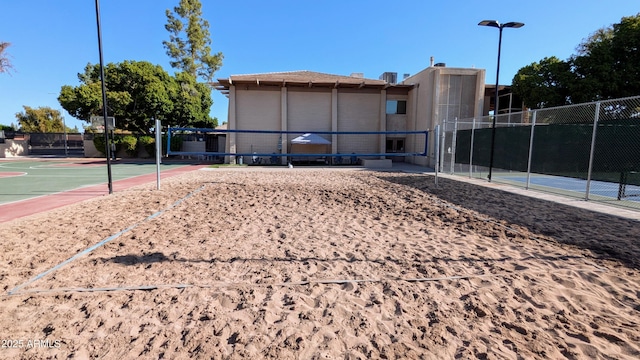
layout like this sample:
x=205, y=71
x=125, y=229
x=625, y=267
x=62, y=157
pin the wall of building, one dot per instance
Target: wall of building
x=257, y=109
x=438, y=93
x=442, y=93
x=12, y=148
x=358, y=111
x=397, y=122
x=308, y=110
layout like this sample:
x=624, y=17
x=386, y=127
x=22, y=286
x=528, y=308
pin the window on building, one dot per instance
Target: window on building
x=395, y=146
x=396, y=106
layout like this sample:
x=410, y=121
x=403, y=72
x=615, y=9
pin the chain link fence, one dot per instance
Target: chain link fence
x=589, y=151
x=56, y=144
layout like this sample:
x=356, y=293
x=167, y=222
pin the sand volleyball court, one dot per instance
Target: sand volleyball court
x=319, y=264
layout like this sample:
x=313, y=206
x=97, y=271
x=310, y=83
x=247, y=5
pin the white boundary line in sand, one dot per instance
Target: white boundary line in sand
x=86, y=251
x=238, y=284
x=284, y=284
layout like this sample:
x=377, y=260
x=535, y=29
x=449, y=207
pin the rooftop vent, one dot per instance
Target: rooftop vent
x=440, y=65
x=357, y=75
x=390, y=77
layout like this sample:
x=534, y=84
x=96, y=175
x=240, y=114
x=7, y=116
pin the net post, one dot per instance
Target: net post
x=158, y=152
x=426, y=142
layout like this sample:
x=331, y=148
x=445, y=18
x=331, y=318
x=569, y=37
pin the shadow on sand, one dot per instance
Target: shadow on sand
x=607, y=236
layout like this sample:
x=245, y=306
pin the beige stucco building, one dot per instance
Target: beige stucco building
x=316, y=102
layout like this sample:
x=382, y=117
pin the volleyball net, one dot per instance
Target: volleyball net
x=281, y=147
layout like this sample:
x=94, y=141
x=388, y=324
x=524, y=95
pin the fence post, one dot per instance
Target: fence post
x=443, y=131
x=473, y=132
x=453, y=146
x=437, y=148
x=596, y=118
x=533, y=126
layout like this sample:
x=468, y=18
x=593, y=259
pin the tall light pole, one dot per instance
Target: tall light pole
x=104, y=101
x=496, y=24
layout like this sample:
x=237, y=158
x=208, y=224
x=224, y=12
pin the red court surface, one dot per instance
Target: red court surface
x=37, y=205
x=12, y=173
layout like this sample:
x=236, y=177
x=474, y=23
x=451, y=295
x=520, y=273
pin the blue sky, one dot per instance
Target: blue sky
x=52, y=41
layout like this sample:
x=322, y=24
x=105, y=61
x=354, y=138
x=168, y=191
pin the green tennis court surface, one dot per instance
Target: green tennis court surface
x=23, y=179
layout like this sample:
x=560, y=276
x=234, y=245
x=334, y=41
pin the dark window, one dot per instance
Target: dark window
x=389, y=145
x=395, y=146
x=402, y=107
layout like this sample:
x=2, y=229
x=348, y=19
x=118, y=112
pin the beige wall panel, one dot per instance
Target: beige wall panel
x=257, y=110
x=309, y=111
x=397, y=122
x=358, y=112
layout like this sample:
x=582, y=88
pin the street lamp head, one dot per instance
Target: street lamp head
x=492, y=23
x=513, y=25
x=496, y=24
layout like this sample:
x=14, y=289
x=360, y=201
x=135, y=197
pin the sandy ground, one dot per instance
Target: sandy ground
x=319, y=264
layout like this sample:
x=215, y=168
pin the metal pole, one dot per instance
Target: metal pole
x=453, y=146
x=533, y=126
x=443, y=136
x=168, y=140
x=437, y=148
x=104, y=101
x=495, y=111
x=473, y=132
x=158, y=152
x=592, y=151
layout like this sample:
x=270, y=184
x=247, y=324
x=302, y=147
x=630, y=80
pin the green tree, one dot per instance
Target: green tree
x=41, y=120
x=608, y=62
x=192, y=103
x=544, y=84
x=190, y=40
x=606, y=66
x=5, y=64
x=137, y=92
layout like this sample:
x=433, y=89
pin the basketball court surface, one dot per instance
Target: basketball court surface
x=29, y=186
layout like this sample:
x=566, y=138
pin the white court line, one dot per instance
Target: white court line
x=110, y=238
x=223, y=284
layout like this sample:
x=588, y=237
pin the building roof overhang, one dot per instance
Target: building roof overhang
x=308, y=79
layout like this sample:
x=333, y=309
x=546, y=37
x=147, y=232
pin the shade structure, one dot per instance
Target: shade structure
x=309, y=144
x=310, y=139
